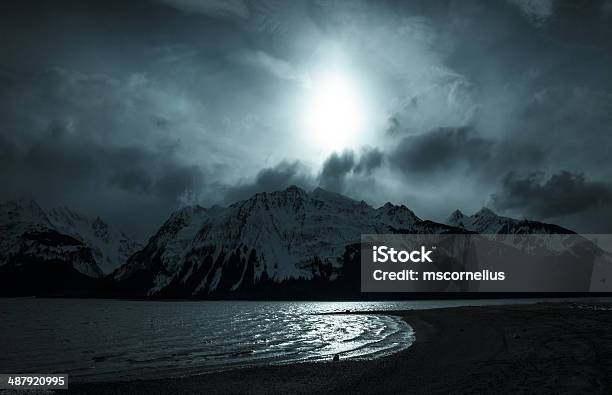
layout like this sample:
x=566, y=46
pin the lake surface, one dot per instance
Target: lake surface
x=110, y=340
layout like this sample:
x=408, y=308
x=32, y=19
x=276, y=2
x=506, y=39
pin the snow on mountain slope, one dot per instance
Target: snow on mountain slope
x=278, y=236
x=543, y=239
x=29, y=234
x=165, y=249
x=485, y=221
x=529, y=236
x=270, y=242
x=17, y=218
x=111, y=248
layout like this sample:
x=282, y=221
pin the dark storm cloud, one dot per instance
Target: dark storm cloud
x=88, y=141
x=237, y=8
x=335, y=169
x=133, y=179
x=271, y=179
x=115, y=122
x=155, y=173
x=154, y=104
x=564, y=193
x=370, y=160
x=440, y=150
x=82, y=173
x=537, y=87
x=572, y=123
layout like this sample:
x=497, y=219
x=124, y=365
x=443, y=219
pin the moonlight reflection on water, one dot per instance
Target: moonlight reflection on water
x=95, y=340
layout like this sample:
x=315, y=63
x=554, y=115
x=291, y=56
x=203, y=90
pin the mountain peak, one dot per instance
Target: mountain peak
x=399, y=216
x=485, y=221
x=455, y=217
x=99, y=225
x=23, y=210
x=457, y=213
x=187, y=211
x=294, y=188
x=22, y=203
x=101, y=249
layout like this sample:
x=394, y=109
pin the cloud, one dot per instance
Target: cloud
x=564, y=193
x=279, y=177
x=145, y=184
x=184, y=98
x=156, y=173
x=333, y=175
x=216, y=8
x=279, y=68
x=337, y=167
x=537, y=11
x=95, y=143
x=441, y=150
x=371, y=159
x=606, y=8
x=334, y=170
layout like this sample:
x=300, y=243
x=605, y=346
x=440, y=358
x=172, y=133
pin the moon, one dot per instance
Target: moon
x=335, y=115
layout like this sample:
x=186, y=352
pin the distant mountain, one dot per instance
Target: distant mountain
x=584, y=264
x=110, y=247
x=485, y=221
x=284, y=244
x=31, y=236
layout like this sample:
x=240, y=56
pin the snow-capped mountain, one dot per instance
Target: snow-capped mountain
x=589, y=261
x=529, y=236
x=485, y=221
x=163, y=252
x=270, y=238
x=30, y=235
x=284, y=244
x=111, y=248
x=16, y=218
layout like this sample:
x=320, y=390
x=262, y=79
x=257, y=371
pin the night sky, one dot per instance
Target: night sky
x=130, y=110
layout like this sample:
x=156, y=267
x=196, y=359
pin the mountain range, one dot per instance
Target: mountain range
x=283, y=244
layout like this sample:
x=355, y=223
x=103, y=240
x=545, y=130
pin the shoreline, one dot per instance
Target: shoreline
x=538, y=348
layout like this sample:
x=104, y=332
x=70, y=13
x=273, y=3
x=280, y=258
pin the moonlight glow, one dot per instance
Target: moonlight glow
x=334, y=116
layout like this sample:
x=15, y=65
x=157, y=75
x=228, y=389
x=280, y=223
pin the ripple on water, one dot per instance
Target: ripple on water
x=120, y=340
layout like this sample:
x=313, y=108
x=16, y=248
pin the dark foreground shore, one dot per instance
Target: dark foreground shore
x=543, y=348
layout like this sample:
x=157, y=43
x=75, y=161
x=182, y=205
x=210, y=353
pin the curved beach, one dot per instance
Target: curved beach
x=541, y=348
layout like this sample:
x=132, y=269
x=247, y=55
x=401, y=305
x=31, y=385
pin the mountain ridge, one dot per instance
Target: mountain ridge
x=272, y=237
x=278, y=242
x=89, y=245
x=486, y=221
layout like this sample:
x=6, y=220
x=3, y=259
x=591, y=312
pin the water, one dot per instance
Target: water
x=109, y=340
